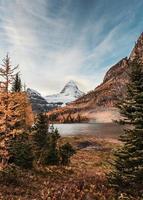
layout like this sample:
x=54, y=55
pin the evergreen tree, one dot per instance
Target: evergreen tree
x=66, y=151
x=127, y=175
x=20, y=151
x=50, y=154
x=63, y=119
x=40, y=130
x=45, y=141
x=40, y=134
x=46, y=144
x=24, y=87
x=16, y=85
x=68, y=119
x=78, y=118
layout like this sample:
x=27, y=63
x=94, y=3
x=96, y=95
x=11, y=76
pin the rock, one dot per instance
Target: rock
x=39, y=104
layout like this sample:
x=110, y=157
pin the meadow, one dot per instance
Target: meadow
x=84, y=179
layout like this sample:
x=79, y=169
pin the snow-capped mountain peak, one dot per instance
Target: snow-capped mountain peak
x=43, y=104
x=69, y=93
x=71, y=89
x=33, y=92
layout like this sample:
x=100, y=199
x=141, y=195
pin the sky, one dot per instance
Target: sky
x=55, y=41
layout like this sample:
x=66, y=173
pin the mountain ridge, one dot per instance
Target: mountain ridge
x=69, y=93
x=100, y=103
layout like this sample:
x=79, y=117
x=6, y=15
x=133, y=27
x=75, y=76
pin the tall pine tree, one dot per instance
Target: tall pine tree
x=127, y=174
x=40, y=130
x=51, y=152
x=7, y=74
x=40, y=134
x=16, y=85
x=13, y=107
x=45, y=141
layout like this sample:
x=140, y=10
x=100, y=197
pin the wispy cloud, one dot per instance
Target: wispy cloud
x=54, y=41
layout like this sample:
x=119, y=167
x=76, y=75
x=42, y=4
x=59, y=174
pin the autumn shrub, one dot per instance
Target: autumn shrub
x=10, y=175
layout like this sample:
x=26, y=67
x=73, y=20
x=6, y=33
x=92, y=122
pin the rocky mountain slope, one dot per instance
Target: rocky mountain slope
x=99, y=104
x=39, y=104
x=68, y=94
x=44, y=104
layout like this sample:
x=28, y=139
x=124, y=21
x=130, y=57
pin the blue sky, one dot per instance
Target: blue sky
x=55, y=41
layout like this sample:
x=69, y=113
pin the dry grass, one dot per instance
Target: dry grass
x=84, y=179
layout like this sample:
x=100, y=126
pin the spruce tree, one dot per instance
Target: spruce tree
x=20, y=151
x=45, y=141
x=51, y=152
x=78, y=118
x=127, y=174
x=40, y=134
x=65, y=152
x=69, y=119
x=16, y=85
x=40, y=130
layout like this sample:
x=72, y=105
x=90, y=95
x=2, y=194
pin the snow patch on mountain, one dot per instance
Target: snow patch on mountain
x=33, y=92
x=68, y=94
x=39, y=103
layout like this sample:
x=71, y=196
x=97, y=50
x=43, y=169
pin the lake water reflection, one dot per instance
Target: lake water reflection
x=102, y=130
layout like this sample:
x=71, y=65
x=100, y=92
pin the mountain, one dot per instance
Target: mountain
x=138, y=49
x=99, y=104
x=68, y=94
x=44, y=104
x=39, y=104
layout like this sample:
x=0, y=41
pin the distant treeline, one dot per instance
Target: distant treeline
x=69, y=118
